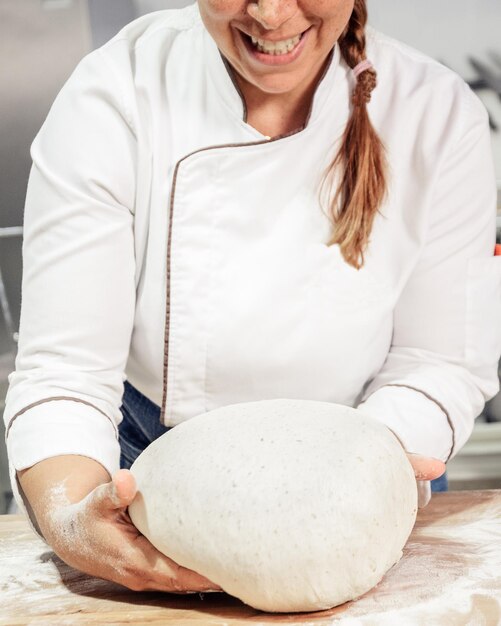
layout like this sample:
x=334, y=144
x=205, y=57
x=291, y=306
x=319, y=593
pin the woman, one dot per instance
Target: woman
x=223, y=208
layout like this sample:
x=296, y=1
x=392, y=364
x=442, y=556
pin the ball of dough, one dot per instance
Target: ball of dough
x=289, y=505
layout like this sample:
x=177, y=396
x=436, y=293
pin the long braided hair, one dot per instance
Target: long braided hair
x=361, y=158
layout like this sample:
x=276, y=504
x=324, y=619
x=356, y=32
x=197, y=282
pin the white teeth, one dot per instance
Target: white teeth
x=276, y=47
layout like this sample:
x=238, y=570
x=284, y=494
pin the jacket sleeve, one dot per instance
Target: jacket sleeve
x=443, y=361
x=78, y=287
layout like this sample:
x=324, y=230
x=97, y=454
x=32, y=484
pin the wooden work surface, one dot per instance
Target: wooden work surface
x=450, y=574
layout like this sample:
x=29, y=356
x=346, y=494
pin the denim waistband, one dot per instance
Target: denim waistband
x=140, y=425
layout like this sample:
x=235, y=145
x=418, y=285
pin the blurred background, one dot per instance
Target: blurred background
x=41, y=41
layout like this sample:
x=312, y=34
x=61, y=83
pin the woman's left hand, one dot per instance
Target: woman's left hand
x=425, y=469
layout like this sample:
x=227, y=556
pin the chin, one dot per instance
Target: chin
x=275, y=84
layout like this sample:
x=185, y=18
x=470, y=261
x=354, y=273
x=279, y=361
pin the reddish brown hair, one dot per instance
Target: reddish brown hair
x=361, y=160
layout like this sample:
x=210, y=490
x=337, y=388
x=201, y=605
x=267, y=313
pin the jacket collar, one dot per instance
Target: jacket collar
x=333, y=88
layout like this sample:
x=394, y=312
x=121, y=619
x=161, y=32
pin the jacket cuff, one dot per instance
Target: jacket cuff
x=56, y=428
x=420, y=422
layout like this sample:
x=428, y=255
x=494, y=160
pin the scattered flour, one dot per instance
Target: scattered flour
x=32, y=577
x=450, y=575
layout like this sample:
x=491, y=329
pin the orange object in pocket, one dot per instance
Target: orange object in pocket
x=497, y=249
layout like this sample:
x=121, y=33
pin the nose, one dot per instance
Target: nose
x=271, y=14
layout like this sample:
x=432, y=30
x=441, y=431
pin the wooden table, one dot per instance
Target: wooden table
x=450, y=574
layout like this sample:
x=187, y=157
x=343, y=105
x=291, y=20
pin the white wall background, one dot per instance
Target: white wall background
x=450, y=31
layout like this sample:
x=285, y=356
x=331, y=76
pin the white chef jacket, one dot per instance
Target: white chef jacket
x=169, y=242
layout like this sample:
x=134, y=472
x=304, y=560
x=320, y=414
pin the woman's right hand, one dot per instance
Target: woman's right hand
x=95, y=535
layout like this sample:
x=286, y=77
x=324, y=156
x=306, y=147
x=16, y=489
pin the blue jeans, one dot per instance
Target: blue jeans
x=141, y=425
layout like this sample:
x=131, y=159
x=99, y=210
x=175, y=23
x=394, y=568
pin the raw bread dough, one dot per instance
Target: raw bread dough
x=289, y=505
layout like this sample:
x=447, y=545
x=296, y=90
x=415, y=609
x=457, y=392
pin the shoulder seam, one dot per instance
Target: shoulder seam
x=157, y=29
x=126, y=110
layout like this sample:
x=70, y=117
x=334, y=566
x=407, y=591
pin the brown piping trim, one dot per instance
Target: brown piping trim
x=327, y=65
x=33, y=404
x=171, y=211
x=229, y=69
x=169, y=248
x=231, y=72
x=439, y=404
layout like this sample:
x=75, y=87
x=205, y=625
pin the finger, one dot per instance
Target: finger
x=164, y=571
x=426, y=468
x=117, y=494
x=192, y=580
x=173, y=580
x=155, y=586
x=125, y=486
x=424, y=493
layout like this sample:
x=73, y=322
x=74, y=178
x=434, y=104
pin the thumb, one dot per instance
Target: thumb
x=425, y=467
x=117, y=494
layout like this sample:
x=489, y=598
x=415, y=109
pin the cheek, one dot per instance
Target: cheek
x=217, y=15
x=334, y=15
x=220, y=10
x=327, y=9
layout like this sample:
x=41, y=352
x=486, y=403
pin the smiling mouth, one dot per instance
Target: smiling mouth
x=272, y=48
